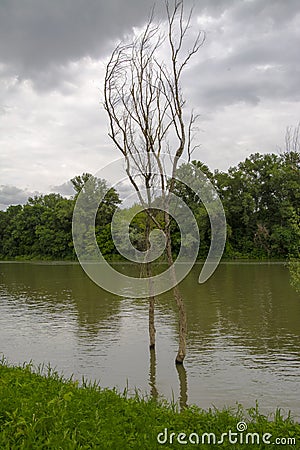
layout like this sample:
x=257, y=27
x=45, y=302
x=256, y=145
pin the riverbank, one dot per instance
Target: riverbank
x=121, y=259
x=40, y=409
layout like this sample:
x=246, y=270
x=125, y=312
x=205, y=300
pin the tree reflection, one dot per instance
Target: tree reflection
x=183, y=396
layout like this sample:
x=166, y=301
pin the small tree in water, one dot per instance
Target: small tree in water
x=144, y=102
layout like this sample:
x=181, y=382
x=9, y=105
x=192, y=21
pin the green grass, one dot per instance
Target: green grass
x=41, y=410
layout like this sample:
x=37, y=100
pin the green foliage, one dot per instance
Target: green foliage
x=294, y=268
x=261, y=198
x=190, y=198
x=51, y=412
x=42, y=228
x=96, y=207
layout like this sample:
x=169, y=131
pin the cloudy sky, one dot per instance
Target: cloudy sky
x=244, y=83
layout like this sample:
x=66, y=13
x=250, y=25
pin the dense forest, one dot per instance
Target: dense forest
x=261, y=198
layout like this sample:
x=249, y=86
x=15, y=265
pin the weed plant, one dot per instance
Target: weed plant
x=39, y=409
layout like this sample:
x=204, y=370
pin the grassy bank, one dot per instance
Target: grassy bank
x=48, y=412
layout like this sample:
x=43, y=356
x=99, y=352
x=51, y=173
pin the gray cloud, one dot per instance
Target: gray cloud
x=65, y=189
x=12, y=195
x=251, y=55
x=243, y=81
x=275, y=11
x=39, y=37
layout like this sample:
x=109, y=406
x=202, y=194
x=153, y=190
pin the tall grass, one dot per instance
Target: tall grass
x=39, y=409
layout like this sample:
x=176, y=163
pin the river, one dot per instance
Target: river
x=243, y=338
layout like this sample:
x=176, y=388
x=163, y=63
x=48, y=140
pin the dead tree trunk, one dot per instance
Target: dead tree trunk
x=178, y=298
x=151, y=297
x=144, y=102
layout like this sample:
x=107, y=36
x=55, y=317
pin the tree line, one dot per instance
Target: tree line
x=261, y=199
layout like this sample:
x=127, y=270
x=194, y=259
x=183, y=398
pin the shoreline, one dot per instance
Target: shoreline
x=41, y=409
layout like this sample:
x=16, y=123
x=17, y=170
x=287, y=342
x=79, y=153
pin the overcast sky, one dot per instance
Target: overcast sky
x=244, y=83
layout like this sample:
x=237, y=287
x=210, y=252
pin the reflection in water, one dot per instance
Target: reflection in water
x=183, y=396
x=243, y=340
x=182, y=378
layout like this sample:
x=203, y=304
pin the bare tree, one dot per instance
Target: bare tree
x=144, y=102
x=292, y=139
x=291, y=150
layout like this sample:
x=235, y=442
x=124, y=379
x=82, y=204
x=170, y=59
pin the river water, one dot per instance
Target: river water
x=243, y=339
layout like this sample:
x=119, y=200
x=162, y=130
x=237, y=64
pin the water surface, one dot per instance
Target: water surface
x=243, y=340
